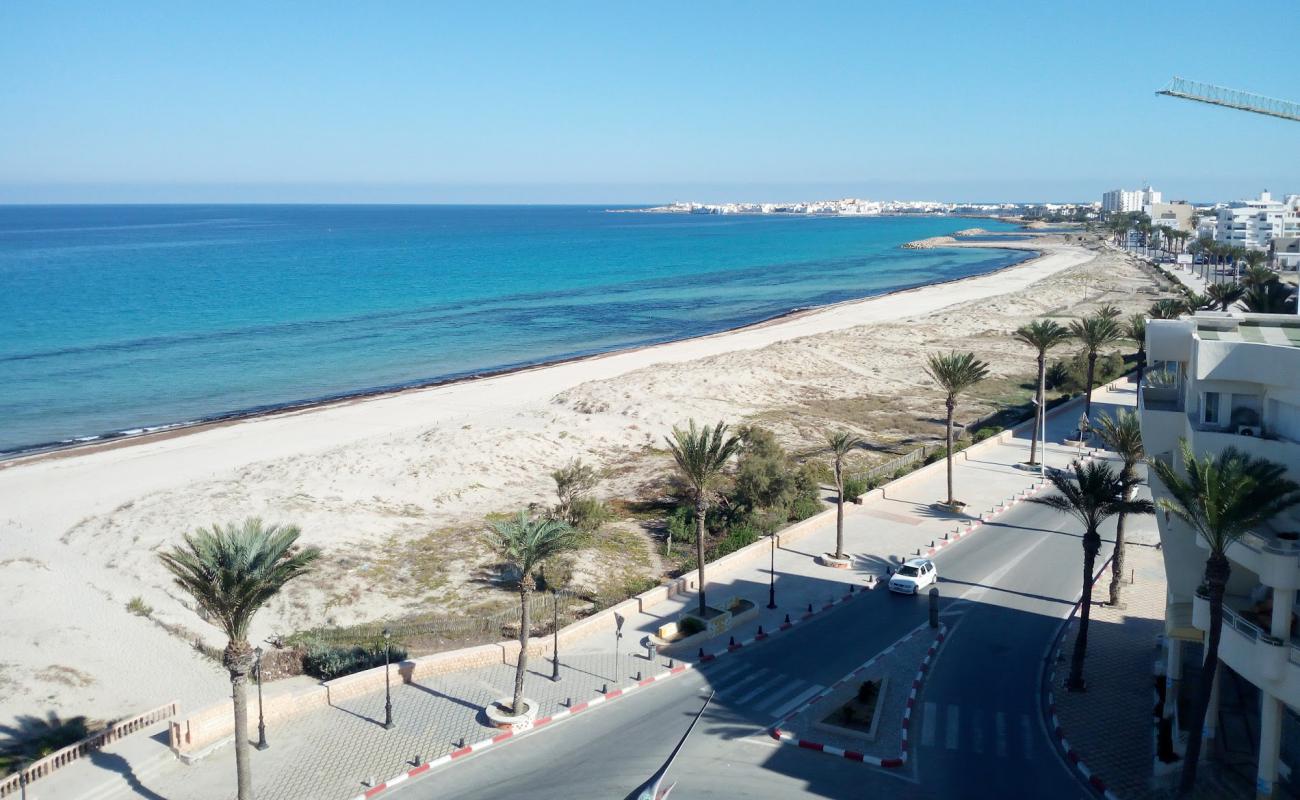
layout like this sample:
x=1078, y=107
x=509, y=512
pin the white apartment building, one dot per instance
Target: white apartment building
x=1124, y=201
x=1255, y=223
x=1220, y=380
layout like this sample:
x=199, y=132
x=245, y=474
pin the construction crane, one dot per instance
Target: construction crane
x=1231, y=98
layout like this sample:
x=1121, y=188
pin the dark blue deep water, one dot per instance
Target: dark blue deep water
x=116, y=318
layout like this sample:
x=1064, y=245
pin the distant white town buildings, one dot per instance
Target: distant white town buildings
x=1254, y=224
x=1123, y=201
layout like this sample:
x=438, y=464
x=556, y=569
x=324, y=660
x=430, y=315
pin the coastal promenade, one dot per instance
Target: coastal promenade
x=337, y=751
x=80, y=530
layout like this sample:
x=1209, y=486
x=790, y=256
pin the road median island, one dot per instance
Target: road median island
x=823, y=723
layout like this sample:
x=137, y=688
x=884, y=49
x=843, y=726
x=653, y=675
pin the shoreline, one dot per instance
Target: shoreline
x=164, y=431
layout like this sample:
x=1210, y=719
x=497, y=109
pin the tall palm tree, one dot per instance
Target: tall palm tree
x=840, y=444
x=231, y=571
x=1220, y=499
x=701, y=455
x=955, y=373
x=1094, y=333
x=1224, y=295
x=1042, y=335
x=1135, y=328
x=1092, y=494
x=1123, y=435
x=526, y=543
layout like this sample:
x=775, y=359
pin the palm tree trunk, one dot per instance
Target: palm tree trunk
x=521, y=663
x=1217, y=570
x=839, y=510
x=1117, y=561
x=238, y=659
x=947, y=431
x=1038, y=416
x=701, y=508
x=1091, y=544
x=1087, y=397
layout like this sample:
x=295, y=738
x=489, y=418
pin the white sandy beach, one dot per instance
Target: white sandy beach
x=384, y=485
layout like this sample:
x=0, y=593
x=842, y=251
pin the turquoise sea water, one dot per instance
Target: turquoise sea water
x=117, y=318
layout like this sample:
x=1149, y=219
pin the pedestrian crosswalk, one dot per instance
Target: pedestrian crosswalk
x=983, y=731
x=768, y=691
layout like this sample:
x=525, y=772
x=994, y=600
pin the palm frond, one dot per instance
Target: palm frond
x=956, y=372
x=702, y=453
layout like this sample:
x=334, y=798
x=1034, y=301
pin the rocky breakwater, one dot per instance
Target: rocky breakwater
x=930, y=243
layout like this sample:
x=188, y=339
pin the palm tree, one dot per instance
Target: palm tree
x=1095, y=333
x=1091, y=495
x=1136, y=329
x=1224, y=295
x=1123, y=435
x=231, y=571
x=840, y=444
x=526, y=543
x=955, y=373
x=1220, y=499
x=1042, y=335
x=701, y=455
x=1270, y=298
x=1256, y=274
x=1168, y=308
x=1110, y=310
x=1196, y=301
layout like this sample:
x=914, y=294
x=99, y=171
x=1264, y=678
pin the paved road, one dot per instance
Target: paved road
x=977, y=731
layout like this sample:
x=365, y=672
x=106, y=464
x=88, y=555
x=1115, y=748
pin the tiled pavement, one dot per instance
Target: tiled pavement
x=1110, y=725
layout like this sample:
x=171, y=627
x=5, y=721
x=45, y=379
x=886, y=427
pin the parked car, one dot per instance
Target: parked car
x=913, y=576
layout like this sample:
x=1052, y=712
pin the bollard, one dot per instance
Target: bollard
x=417, y=761
x=787, y=619
x=701, y=653
x=760, y=630
x=934, y=606
x=851, y=588
x=670, y=663
x=638, y=676
x=604, y=688
x=731, y=642
x=810, y=608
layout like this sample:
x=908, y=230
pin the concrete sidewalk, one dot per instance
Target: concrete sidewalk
x=336, y=751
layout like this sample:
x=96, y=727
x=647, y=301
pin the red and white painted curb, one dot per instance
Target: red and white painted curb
x=1054, y=723
x=787, y=737
x=970, y=526
x=614, y=694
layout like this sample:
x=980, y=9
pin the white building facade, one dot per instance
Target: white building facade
x=1123, y=201
x=1220, y=380
x=1254, y=224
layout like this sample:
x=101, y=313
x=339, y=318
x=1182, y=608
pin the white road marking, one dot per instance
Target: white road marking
x=762, y=687
x=732, y=688
x=799, y=700
x=954, y=728
x=1001, y=726
x=928, y=724
x=794, y=687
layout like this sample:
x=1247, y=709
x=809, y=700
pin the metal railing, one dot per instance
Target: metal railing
x=12, y=784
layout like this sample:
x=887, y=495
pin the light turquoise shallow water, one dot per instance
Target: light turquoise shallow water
x=114, y=318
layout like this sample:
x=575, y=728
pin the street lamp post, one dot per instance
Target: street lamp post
x=771, y=575
x=261, y=720
x=388, y=692
x=555, y=636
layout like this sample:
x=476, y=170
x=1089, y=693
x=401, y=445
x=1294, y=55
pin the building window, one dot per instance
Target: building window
x=1211, y=408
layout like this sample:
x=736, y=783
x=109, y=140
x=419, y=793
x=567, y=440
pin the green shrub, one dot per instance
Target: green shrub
x=901, y=471
x=740, y=536
x=588, y=514
x=326, y=662
x=1057, y=375
x=986, y=433
x=854, y=487
x=805, y=507
x=938, y=455
x=681, y=525
x=137, y=605
x=689, y=626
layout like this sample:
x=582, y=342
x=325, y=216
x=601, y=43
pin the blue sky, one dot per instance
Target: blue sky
x=634, y=102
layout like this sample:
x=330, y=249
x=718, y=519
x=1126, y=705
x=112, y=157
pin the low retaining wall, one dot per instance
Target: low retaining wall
x=12, y=784
x=198, y=733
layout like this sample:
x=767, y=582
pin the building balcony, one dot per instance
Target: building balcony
x=1246, y=647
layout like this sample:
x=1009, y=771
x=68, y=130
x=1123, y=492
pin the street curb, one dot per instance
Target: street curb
x=1071, y=755
x=787, y=737
x=613, y=694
